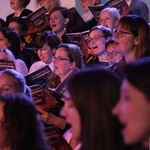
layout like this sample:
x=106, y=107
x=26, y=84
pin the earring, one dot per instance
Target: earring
x=65, y=27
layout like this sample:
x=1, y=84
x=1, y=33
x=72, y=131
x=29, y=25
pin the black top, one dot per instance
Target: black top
x=24, y=13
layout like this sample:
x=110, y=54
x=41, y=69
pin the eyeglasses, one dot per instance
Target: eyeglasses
x=59, y=58
x=4, y=89
x=112, y=54
x=95, y=38
x=43, y=50
x=119, y=33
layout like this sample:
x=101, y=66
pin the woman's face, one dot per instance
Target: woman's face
x=4, y=43
x=133, y=112
x=62, y=64
x=97, y=42
x=15, y=4
x=107, y=20
x=45, y=53
x=7, y=84
x=72, y=116
x=125, y=41
x=57, y=21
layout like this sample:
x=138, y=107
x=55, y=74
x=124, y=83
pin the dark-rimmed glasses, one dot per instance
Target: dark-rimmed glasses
x=59, y=58
x=111, y=54
x=119, y=33
x=95, y=38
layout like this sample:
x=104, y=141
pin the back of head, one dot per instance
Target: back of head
x=20, y=124
x=138, y=74
x=94, y=92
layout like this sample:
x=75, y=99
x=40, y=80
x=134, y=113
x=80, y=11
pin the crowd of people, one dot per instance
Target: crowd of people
x=103, y=95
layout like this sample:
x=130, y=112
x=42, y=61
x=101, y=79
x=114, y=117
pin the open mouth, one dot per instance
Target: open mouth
x=94, y=47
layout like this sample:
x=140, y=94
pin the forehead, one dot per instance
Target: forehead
x=56, y=12
x=14, y=23
x=105, y=14
x=6, y=79
x=61, y=51
x=96, y=32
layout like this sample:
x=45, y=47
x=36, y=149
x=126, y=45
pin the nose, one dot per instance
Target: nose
x=116, y=109
x=63, y=111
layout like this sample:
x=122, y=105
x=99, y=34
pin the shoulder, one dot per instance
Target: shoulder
x=21, y=67
x=35, y=66
x=26, y=12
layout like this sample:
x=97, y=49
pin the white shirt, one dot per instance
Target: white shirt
x=38, y=65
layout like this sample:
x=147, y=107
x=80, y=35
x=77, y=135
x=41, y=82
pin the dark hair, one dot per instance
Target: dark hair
x=94, y=93
x=20, y=124
x=138, y=74
x=106, y=31
x=24, y=3
x=21, y=22
x=140, y=29
x=109, y=42
x=48, y=37
x=13, y=38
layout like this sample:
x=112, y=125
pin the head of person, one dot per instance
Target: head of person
x=88, y=108
x=133, y=108
x=67, y=57
x=12, y=82
x=132, y=36
x=98, y=36
x=60, y=19
x=112, y=55
x=17, y=4
x=46, y=44
x=10, y=40
x=108, y=17
x=85, y=3
x=48, y=4
x=20, y=125
x=19, y=25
